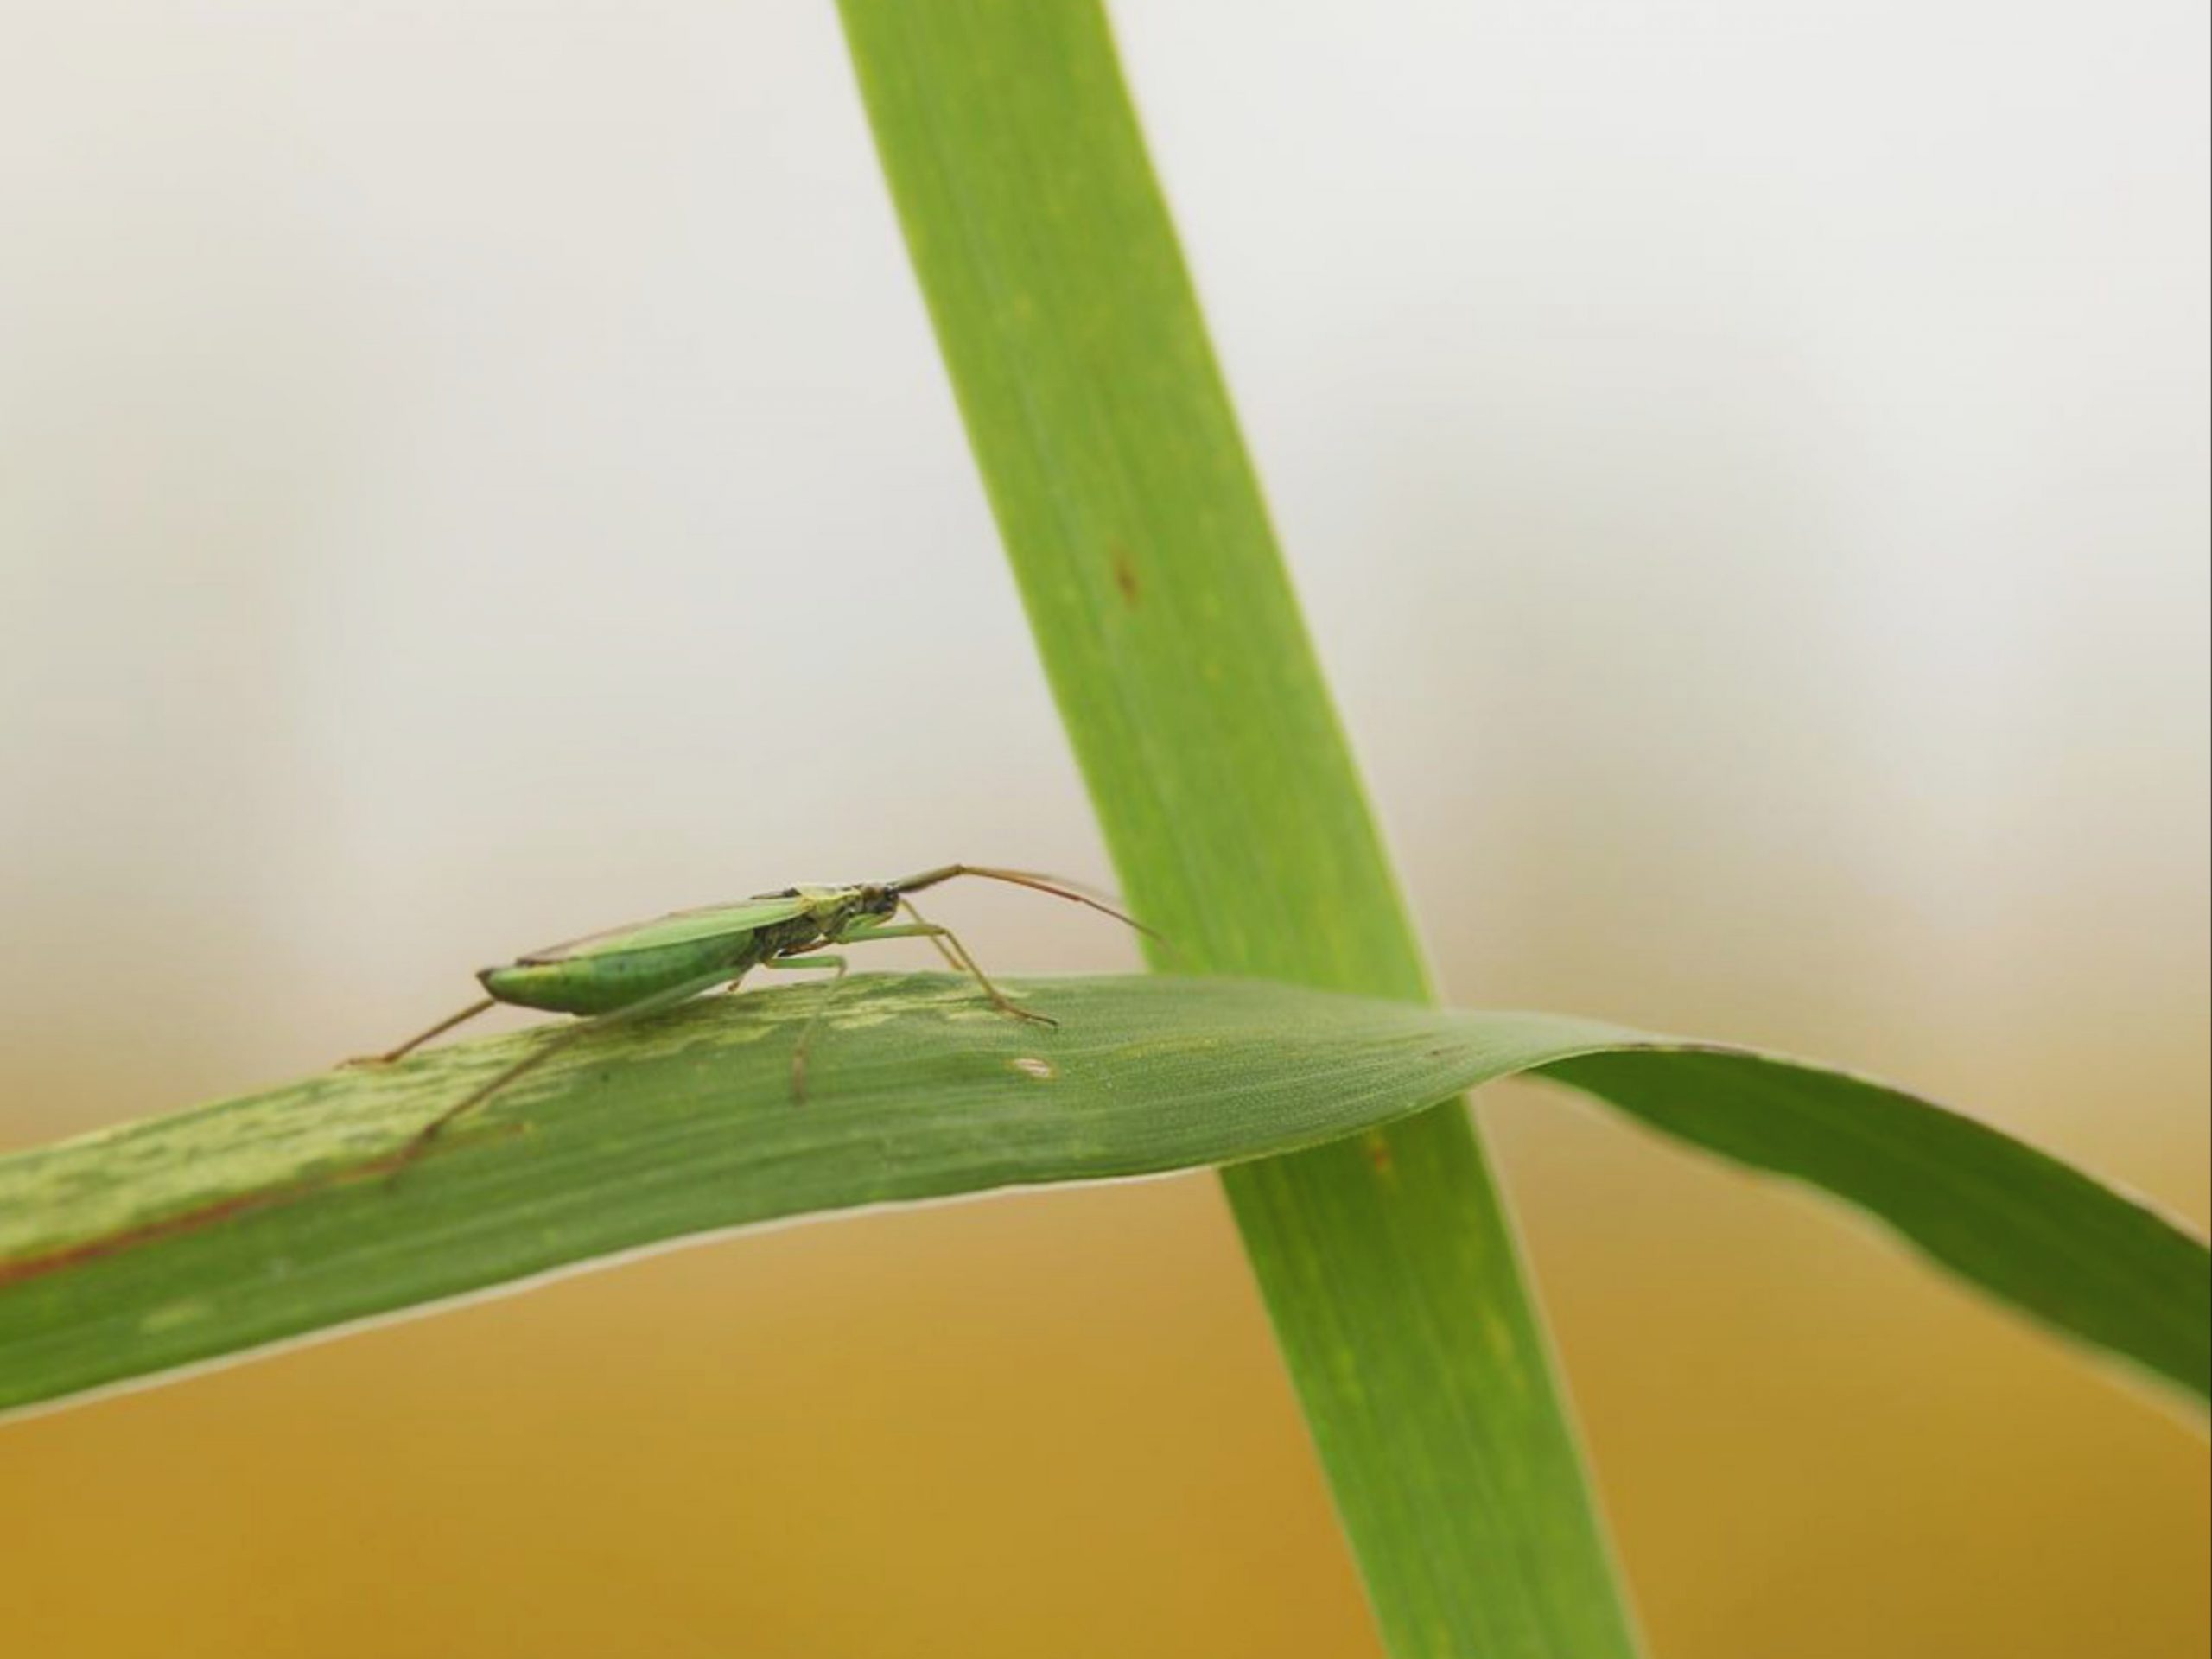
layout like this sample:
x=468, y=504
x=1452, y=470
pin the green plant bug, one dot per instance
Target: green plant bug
x=651, y=966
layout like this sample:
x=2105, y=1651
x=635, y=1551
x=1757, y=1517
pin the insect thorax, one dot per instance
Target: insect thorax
x=829, y=910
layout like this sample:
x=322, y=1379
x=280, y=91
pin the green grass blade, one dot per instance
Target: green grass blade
x=2014, y=1222
x=1228, y=796
x=217, y=1230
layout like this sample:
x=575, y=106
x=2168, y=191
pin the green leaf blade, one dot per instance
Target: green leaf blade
x=1228, y=794
x=219, y=1230
x=2014, y=1221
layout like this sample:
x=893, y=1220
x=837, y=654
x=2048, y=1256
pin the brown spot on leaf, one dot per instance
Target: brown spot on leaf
x=1125, y=573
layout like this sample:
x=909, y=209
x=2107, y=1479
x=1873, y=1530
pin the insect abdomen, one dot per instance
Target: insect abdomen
x=604, y=984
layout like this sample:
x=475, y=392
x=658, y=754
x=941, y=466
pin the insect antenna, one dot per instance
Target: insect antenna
x=1030, y=878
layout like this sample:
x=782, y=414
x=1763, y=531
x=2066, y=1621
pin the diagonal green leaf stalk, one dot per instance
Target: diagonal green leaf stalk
x=1228, y=796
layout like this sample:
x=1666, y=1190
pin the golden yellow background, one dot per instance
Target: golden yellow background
x=471, y=474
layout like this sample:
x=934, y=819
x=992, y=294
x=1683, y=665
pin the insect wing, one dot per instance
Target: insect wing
x=683, y=927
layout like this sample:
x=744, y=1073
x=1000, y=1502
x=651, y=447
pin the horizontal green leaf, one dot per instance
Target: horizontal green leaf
x=215, y=1231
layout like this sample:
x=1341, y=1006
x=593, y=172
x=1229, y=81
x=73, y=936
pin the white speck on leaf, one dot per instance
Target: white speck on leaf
x=170, y=1315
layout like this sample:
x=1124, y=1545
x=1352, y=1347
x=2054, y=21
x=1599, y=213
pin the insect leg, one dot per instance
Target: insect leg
x=949, y=946
x=837, y=967
x=953, y=959
x=545, y=1051
x=421, y=1038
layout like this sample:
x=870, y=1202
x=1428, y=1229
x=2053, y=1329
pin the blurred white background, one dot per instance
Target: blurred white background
x=472, y=473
